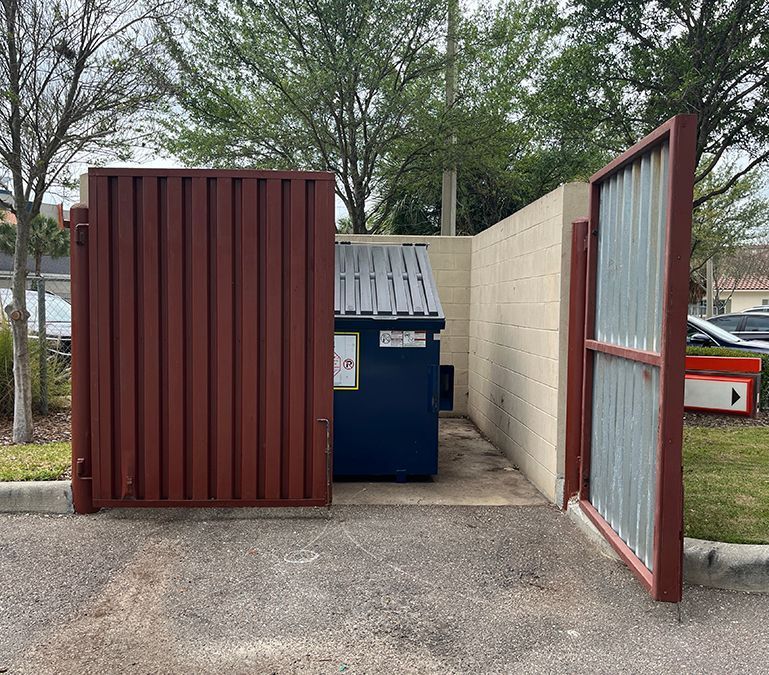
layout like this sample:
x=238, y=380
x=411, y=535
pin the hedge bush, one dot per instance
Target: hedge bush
x=724, y=351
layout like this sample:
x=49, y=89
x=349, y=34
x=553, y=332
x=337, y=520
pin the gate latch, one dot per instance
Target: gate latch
x=327, y=423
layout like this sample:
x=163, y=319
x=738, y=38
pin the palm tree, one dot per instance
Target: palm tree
x=45, y=238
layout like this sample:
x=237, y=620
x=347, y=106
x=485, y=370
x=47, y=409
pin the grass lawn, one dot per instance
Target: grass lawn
x=47, y=461
x=726, y=484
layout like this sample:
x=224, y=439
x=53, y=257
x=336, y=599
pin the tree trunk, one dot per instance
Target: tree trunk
x=358, y=218
x=18, y=315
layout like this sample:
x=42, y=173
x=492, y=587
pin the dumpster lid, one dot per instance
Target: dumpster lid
x=385, y=281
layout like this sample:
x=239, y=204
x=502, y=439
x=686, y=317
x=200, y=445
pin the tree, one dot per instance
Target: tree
x=730, y=220
x=45, y=239
x=504, y=160
x=72, y=84
x=628, y=65
x=306, y=84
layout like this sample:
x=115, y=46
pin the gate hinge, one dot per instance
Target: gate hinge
x=80, y=469
x=81, y=234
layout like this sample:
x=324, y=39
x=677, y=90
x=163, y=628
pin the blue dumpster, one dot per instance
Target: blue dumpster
x=388, y=382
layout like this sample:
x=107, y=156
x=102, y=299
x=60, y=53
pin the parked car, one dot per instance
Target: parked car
x=58, y=319
x=751, y=326
x=701, y=333
x=759, y=309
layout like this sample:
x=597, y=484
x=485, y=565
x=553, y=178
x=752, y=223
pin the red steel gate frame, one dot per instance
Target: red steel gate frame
x=665, y=582
x=202, y=338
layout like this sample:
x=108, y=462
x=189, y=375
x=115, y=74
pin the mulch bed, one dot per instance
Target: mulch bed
x=707, y=420
x=53, y=427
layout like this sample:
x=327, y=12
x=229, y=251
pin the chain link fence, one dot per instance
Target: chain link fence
x=48, y=303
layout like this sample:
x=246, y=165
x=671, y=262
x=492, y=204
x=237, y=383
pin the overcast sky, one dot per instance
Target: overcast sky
x=155, y=160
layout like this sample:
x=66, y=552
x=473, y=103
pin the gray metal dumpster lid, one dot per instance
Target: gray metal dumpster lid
x=385, y=281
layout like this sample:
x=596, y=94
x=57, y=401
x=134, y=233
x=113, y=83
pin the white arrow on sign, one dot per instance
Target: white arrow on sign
x=717, y=395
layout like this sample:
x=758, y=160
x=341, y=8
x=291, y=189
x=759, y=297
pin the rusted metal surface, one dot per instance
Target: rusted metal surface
x=209, y=343
x=633, y=372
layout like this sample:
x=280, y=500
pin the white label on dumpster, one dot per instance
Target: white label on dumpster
x=345, y=360
x=402, y=338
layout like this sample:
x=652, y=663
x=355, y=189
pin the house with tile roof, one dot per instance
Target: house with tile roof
x=743, y=280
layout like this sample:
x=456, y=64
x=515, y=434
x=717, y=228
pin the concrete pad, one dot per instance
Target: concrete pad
x=471, y=472
x=371, y=589
x=52, y=496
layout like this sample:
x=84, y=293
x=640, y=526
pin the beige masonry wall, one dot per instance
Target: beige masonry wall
x=450, y=260
x=518, y=333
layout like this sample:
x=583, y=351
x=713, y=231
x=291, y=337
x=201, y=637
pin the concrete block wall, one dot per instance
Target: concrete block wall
x=518, y=333
x=450, y=259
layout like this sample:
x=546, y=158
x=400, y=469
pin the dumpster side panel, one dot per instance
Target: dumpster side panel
x=388, y=426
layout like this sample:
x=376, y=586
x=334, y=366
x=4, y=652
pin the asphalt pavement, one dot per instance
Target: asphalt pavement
x=357, y=589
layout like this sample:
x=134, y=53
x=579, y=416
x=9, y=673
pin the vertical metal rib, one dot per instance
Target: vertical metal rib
x=415, y=284
x=337, y=281
x=399, y=286
x=349, y=280
x=431, y=298
x=383, y=305
x=364, y=266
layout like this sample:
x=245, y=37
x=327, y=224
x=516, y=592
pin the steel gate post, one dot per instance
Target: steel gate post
x=577, y=305
x=82, y=496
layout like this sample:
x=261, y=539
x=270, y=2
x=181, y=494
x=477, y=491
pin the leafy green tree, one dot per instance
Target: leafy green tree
x=628, y=65
x=306, y=84
x=731, y=219
x=45, y=239
x=504, y=159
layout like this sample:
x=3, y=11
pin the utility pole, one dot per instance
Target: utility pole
x=709, y=288
x=449, y=187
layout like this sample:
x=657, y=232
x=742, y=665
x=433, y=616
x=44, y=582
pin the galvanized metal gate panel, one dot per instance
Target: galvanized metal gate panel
x=203, y=377
x=635, y=336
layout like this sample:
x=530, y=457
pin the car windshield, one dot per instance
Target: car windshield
x=711, y=329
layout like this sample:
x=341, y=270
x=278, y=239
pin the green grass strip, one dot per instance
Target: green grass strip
x=34, y=462
x=726, y=484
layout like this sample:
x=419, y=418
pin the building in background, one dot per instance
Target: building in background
x=742, y=280
x=55, y=270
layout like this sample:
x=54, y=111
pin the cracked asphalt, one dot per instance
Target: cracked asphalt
x=357, y=589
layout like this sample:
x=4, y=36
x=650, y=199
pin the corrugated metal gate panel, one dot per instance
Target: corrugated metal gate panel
x=628, y=313
x=211, y=333
x=635, y=329
x=623, y=449
x=631, y=253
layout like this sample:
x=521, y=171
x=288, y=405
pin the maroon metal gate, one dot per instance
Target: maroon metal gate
x=632, y=374
x=203, y=332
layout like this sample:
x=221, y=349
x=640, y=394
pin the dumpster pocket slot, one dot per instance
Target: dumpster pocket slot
x=446, y=388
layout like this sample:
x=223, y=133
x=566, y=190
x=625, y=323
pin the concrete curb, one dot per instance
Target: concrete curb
x=54, y=496
x=734, y=567
x=578, y=517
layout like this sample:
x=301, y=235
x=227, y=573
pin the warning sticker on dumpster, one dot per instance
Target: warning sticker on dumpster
x=402, y=338
x=346, y=360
